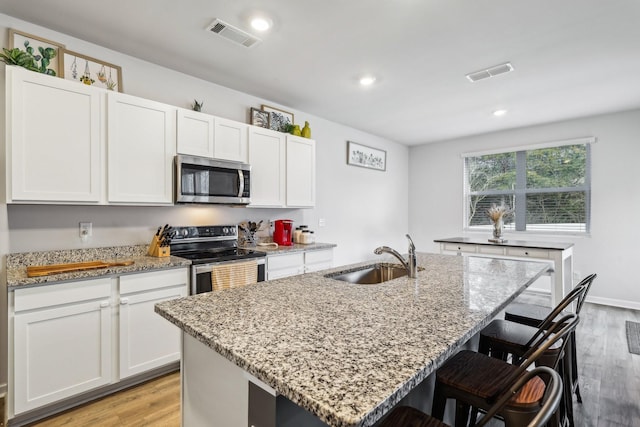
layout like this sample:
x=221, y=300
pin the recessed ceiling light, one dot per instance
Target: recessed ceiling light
x=260, y=23
x=499, y=113
x=367, y=80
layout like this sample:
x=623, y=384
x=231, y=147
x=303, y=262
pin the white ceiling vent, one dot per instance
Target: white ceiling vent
x=232, y=33
x=490, y=72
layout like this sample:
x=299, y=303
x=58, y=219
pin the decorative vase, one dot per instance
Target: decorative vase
x=306, y=130
x=498, y=230
x=296, y=130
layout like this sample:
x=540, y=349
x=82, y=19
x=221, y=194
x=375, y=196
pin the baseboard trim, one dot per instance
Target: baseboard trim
x=633, y=305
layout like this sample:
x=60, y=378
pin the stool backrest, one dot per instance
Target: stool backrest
x=575, y=295
x=543, y=341
x=548, y=405
x=586, y=282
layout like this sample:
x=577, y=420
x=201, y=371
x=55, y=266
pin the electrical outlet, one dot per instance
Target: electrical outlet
x=86, y=230
x=322, y=222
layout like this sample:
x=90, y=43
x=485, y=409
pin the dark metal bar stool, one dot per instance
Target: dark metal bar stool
x=477, y=380
x=406, y=416
x=535, y=315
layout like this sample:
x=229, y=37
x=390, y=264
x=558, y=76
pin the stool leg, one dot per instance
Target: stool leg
x=439, y=401
x=574, y=365
x=462, y=414
x=567, y=393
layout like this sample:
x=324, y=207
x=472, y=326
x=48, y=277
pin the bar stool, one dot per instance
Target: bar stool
x=406, y=416
x=534, y=315
x=502, y=338
x=476, y=380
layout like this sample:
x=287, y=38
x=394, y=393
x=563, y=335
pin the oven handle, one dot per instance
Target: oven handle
x=206, y=268
x=241, y=182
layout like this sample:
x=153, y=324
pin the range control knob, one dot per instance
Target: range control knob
x=225, y=230
x=185, y=232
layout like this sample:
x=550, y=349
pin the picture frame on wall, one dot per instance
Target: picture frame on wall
x=91, y=71
x=278, y=119
x=260, y=118
x=25, y=41
x=366, y=157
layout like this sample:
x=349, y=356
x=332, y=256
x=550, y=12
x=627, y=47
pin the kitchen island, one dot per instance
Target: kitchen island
x=344, y=353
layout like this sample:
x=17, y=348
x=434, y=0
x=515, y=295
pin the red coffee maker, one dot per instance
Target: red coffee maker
x=283, y=232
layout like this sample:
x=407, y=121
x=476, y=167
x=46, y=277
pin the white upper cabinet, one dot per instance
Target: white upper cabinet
x=301, y=172
x=141, y=147
x=54, y=139
x=267, y=158
x=195, y=133
x=230, y=140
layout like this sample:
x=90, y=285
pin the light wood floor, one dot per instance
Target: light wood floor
x=609, y=381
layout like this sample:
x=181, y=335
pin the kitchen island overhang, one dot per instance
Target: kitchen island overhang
x=347, y=353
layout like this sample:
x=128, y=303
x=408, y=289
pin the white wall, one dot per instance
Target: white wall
x=362, y=208
x=436, y=205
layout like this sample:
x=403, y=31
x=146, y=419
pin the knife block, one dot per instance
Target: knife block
x=156, y=250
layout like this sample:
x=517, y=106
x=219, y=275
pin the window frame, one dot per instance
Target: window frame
x=520, y=192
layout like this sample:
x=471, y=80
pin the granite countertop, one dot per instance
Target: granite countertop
x=348, y=353
x=296, y=247
x=513, y=243
x=17, y=264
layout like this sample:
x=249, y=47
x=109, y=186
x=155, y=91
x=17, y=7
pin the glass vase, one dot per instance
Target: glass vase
x=498, y=230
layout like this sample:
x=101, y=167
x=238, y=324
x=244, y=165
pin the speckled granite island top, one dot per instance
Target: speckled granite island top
x=17, y=264
x=345, y=352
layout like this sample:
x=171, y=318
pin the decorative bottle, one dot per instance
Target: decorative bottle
x=306, y=130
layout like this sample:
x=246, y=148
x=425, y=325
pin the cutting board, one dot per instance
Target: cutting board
x=45, y=270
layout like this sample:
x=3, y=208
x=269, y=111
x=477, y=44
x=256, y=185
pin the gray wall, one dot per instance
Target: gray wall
x=436, y=207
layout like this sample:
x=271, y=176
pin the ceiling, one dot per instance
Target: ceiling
x=572, y=58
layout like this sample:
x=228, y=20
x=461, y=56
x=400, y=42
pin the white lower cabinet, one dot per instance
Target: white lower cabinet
x=292, y=264
x=318, y=260
x=65, y=339
x=62, y=342
x=285, y=265
x=147, y=340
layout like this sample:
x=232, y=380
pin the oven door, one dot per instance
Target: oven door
x=203, y=180
x=201, y=273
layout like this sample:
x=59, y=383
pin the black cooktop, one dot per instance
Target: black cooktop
x=216, y=255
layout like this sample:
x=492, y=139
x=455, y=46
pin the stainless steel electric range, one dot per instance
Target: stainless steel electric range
x=209, y=246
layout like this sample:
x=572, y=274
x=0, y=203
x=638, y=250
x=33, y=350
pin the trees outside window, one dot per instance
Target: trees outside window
x=548, y=189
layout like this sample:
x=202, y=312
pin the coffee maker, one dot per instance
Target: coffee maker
x=283, y=232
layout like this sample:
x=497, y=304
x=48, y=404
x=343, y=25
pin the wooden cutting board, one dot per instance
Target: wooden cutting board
x=45, y=270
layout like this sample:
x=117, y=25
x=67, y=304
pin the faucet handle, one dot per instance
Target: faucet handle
x=412, y=247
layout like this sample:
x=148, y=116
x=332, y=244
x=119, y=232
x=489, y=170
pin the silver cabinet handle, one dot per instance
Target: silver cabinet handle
x=124, y=301
x=104, y=304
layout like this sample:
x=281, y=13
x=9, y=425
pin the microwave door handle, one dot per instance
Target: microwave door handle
x=240, y=183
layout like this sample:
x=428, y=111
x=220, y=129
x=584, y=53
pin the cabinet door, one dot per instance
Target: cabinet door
x=147, y=340
x=60, y=352
x=301, y=172
x=267, y=158
x=230, y=140
x=286, y=265
x=141, y=146
x=195, y=133
x=54, y=139
x=318, y=260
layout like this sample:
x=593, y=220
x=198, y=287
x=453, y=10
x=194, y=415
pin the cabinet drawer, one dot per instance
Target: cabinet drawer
x=491, y=250
x=459, y=247
x=319, y=256
x=62, y=293
x=525, y=252
x=140, y=282
x=275, y=262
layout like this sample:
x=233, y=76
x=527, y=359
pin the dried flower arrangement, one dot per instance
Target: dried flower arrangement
x=496, y=213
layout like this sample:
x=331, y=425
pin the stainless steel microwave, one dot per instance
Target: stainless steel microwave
x=205, y=180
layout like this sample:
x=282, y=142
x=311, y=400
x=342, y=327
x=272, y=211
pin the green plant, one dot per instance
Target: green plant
x=27, y=59
x=287, y=128
x=19, y=57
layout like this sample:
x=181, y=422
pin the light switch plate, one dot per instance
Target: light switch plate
x=86, y=230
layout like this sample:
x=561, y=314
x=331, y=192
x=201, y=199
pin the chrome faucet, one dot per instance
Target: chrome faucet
x=410, y=264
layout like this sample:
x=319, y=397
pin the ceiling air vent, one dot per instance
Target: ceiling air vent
x=490, y=72
x=232, y=33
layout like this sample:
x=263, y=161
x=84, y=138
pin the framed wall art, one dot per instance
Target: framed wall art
x=91, y=71
x=260, y=118
x=366, y=157
x=49, y=52
x=278, y=119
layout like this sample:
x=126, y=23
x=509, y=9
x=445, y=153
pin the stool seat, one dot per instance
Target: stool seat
x=406, y=416
x=527, y=314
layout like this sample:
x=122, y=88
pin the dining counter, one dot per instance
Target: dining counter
x=344, y=353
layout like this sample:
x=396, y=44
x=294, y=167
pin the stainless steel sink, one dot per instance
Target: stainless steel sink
x=370, y=274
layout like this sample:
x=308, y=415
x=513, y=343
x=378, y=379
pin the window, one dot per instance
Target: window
x=546, y=187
